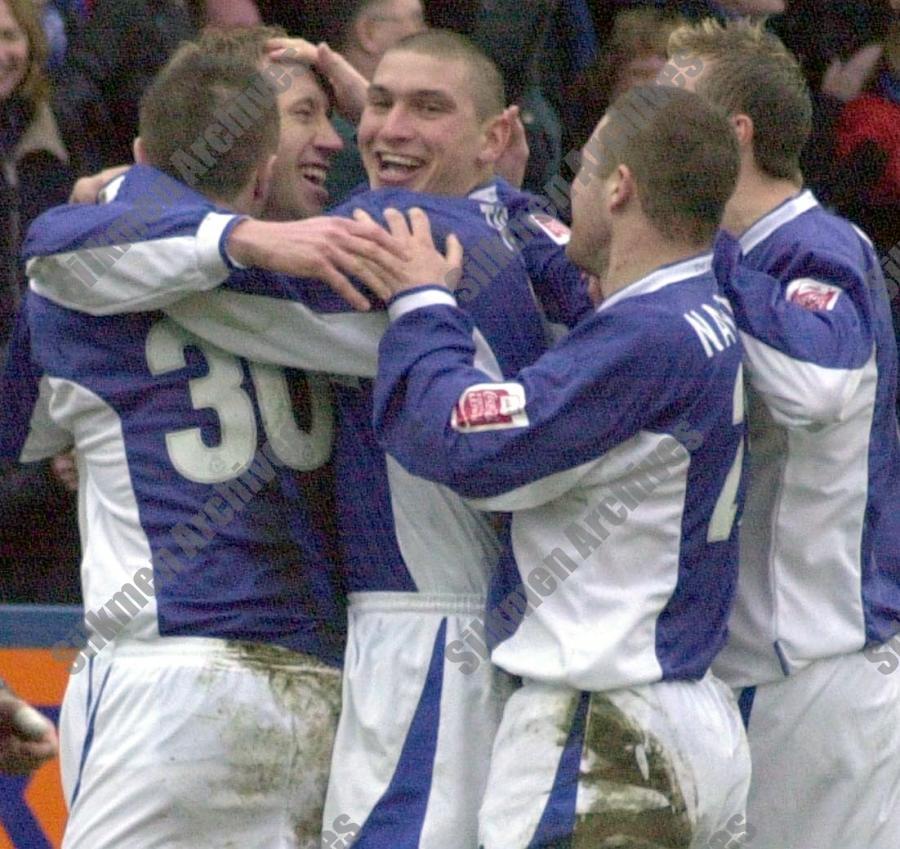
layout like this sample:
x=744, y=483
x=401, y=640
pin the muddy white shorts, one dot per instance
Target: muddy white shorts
x=825, y=744
x=412, y=751
x=194, y=743
x=660, y=766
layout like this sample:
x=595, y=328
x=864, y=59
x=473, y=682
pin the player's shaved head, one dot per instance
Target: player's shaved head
x=681, y=151
x=483, y=76
x=748, y=70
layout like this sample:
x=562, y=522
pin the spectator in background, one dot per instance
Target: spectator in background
x=34, y=172
x=364, y=29
x=109, y=63
x=634, y=54
x=838, y=45
x=868, y=151
x=38, y=533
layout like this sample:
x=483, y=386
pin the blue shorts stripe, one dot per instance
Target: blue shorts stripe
x=554, y=831
x=745, y=704
x=396, y=820
x=89, y=736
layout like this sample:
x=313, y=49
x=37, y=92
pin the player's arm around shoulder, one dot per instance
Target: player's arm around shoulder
x=519, y=442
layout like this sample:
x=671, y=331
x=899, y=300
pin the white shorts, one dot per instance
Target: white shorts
x=825, y=744
x=657, y=766
x=412, y=751
x=194, y=743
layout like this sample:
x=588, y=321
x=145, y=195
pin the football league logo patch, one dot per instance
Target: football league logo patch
x=554, y=228
x=490, y=406
x=813, y=295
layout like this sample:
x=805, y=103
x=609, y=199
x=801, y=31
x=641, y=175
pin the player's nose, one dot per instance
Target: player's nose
x=327, y=138
x=397, y=123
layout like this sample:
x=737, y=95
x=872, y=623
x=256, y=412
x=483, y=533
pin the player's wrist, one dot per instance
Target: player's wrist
x=241, y=245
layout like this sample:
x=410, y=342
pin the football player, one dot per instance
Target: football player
x=619, y=455
x=819, y=587
x=412, y=766
x=202, y=708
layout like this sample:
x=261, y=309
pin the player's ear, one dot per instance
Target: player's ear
x=264, y=180
x=139, y=151
x=495, y=138
x=743, y=129
x=364, y=29
x=621, y=187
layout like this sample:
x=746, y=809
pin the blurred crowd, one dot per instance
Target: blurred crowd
x=72, y=73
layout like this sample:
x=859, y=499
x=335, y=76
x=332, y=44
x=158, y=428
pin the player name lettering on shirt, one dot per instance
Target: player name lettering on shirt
x=714, y=326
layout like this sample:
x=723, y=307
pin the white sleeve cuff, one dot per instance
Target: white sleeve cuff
x=423, y=296
x=212, y=257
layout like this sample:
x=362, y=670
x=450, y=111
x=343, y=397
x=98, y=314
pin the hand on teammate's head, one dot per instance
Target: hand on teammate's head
x=349, y=85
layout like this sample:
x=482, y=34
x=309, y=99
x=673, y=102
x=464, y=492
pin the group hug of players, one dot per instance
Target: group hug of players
x=702, y=472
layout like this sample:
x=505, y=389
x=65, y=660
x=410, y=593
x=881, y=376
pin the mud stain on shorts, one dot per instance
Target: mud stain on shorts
x=638, y=803
x=283, y=748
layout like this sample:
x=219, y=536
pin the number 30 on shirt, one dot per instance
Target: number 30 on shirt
x=221, y=391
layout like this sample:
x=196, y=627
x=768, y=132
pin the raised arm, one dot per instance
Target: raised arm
x=806, y=342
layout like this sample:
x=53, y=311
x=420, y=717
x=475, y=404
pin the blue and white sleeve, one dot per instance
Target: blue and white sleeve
x=512, y=444
x=806, y=343
x=560, y=286
x=284, y=332
x=85, y=258
x=184, y=269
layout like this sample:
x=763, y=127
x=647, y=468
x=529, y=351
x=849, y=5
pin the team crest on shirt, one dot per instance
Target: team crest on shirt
x=497, y=217
x=813, y=295
x=490, y=406
x=555, y=229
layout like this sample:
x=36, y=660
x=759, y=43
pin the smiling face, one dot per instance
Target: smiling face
x=13, y=52
x=420, y=129
x=306, y=144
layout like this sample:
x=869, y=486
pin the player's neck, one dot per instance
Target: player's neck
x=756, y=195
x=640, y=254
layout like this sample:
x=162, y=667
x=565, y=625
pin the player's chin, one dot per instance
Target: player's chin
x=576, y=253
x=308, y=204
x=314, y=198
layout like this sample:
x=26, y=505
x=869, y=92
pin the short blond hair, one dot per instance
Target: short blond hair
x=753, y=73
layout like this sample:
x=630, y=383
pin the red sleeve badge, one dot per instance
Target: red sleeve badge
x=490, y=406
x=812, y=294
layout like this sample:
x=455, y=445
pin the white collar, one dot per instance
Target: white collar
x=684, y=269
x=781, y=215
